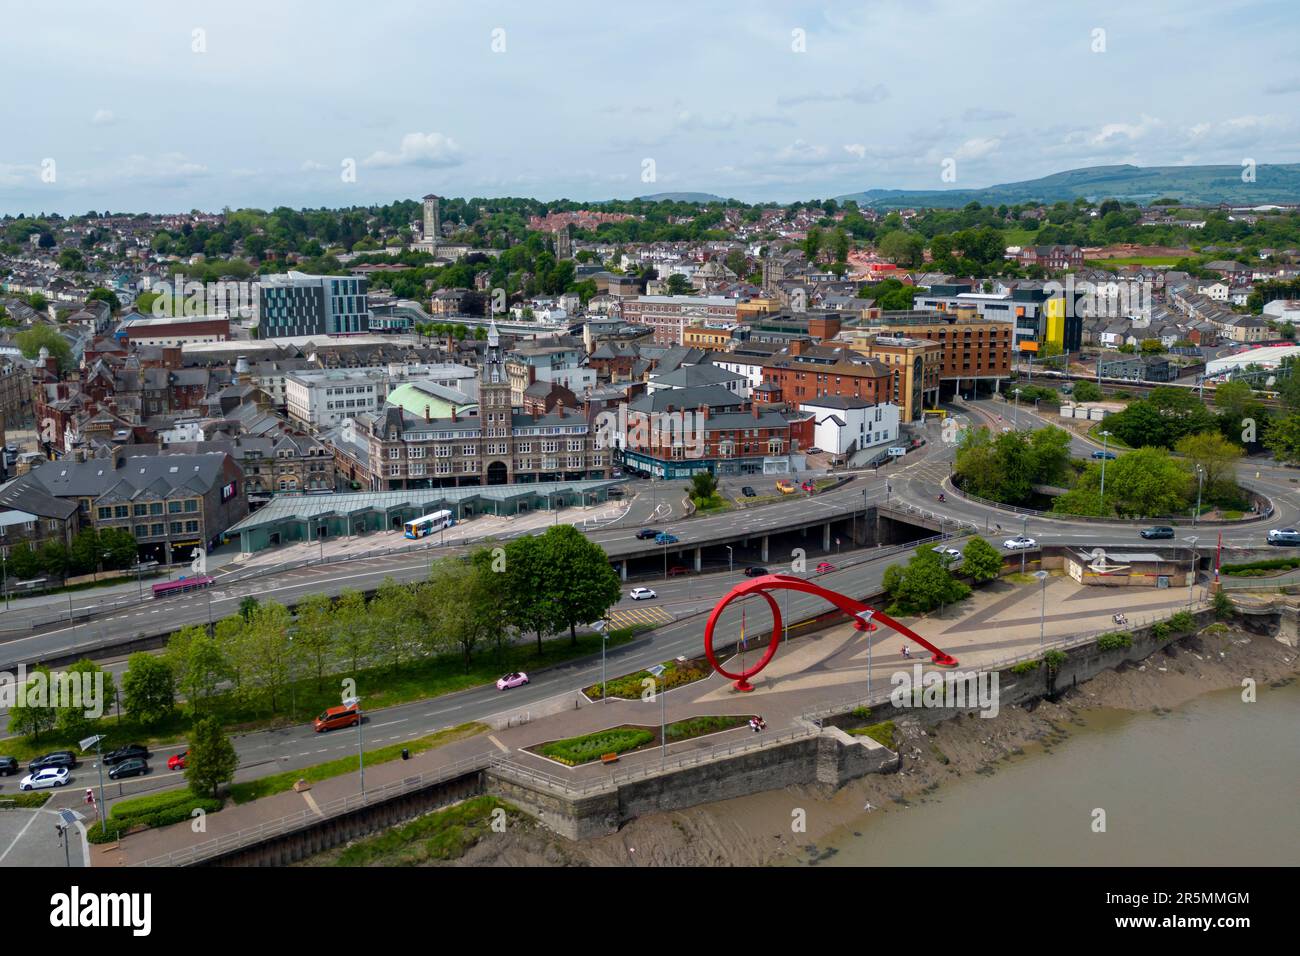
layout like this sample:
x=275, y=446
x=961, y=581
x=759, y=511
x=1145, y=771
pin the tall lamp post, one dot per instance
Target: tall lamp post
x=1017, y=410
x=1042, y=608
x=1200, y=480
x=1024, y=533
x=731, y=560
x=1191, y=577
x=1105, y=436
x=660, y=692
x=96, y=742
x=361, y=750
x=601, y=628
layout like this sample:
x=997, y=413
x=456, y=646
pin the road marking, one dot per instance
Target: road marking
x=24, y=830
x=499, y=745
x=306, y=795
x=388, y=723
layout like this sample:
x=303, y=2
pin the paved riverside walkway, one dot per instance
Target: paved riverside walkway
x=998, y=623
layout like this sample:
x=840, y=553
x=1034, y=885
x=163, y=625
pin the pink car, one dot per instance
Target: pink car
x=512, y=680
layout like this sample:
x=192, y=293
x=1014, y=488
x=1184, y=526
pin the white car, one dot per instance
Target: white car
x=1284, y=536
x=49, y=777
x=1019, y=543
x=948, y=554
x=642, y=594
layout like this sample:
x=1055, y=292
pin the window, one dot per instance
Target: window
x=174, y=507
x=141, y=510
x=122, y=511
x=191, y=526
x=176, y=527
x=105, y=514
x=191, y=504
x=141, y=530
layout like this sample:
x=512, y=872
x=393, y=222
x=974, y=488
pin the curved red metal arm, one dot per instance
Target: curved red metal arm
x=863, y=614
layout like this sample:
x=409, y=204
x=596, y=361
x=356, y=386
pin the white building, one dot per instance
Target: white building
x=1283, y=310
x=1269, y=357
x=326, y=397
x=846, y=425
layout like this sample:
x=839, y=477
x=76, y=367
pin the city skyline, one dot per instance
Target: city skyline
x=316, y=107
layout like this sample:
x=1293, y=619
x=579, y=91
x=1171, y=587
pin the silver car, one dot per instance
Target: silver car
x=1284, y=536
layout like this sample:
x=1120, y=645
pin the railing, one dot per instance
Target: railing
x=844, y=706
x=252, y=836
x=1092, y=519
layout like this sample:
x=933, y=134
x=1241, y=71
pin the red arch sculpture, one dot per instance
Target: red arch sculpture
x=863, y=615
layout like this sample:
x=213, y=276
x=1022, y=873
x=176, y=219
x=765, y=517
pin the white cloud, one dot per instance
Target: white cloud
x=694, y=122
x=103, y=118
x=419, y=149
x=860, y=95
x=977, y=148
x=311, y=166
x=857, y=149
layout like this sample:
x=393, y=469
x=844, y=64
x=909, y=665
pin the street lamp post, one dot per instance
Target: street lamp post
x=601, y=628
x=660, y=691
x=1042, y=609
x=96, y=741
x=731, y=560
x=1024, y=533
x=1016, y=424
x=1105, y=436
x=1191, y=577
x=1200, y=480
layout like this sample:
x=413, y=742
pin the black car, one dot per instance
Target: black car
x=129, y=752
x=1159, y=532
x=59, y=758
x=756, y=572
x=748, y=492
x=8, y=766
x=134, y=767
x=1108, y=455
x=646, y=533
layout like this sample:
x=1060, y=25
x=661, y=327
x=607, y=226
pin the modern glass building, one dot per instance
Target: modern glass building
x=295, y=303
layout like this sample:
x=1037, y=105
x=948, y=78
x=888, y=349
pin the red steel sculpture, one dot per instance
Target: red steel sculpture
x=863, y=615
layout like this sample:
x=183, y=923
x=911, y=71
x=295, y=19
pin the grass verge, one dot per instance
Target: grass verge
x=436, y=837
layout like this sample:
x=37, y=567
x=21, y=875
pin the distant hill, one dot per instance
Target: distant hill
x=681, y=197
x=1202, y=185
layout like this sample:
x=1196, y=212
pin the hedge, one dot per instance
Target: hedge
x=882, y=733
x=579, y=750
x=1115, y=640
x=1026, y=667
x=1269, y=564
x=159, y=810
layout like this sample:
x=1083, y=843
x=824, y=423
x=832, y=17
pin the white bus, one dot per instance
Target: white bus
x=429, y=523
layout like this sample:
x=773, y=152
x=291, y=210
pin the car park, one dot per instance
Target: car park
x=756, y=572
x=663, y=537
x=178, y=761
x=749, y=492
x=646, y=533
x=1107, y=455
x=134, y=767
x=1284, y=536
x=512, y=680
x=129, y=752
x=642, y=594
x=1020, y=543
x=59, y=758
x=42, y=779
x=1159, y=531
x=8, y=766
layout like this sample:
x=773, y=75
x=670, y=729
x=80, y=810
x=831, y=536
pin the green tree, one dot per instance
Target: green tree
x=580, y=583
x=1086, y=391
x=524, y=574
x=902, y=248
x=703, y=486
x=32, y=713
x=107, y=295
x=263, y=654
x=71, y=260
x=1284, y=439
x=678, y=284
x=76, y=717
x=31, y=341
x=926, y=583
x=351, y=635
x=1215, y=456
x=981, y=560
x=148, y=688
x=313, y=636
x=393, y=622
x=212, y=760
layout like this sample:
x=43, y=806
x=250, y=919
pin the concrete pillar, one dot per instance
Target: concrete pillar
x=762, y=554
x=697, y=559
x=826, y=536
x=622, y=570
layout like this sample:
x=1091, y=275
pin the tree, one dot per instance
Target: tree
x=198, y=664
x=148, y=688
x=1215, y=455
x=23, y=562
x=351, y=635
x=678, y=284
x=703, y=486
x=1142, y=483
x=812, y=244
x=31, y=341
x=118, y=548
x=523, y=587
x=77, y=714
x=313, y=635
x=925, y=583
x=32, y=714
x=981, y=560
x=71, y=260
x=392, y=621
x=212, y=760
x=263, y=654
x=580, y=583
x=1086, y=391
x=107, y=295
x=1284, y=439
x=902, y=248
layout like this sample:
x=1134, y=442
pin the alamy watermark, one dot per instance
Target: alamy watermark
x=235, y=299
x=62, y=690
x=648, y=431
x=949, y=689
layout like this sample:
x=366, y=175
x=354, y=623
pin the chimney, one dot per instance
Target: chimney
x=427, y=417
x=559, y=407
x=535, y=416
x=453, y=413
x=754, y=406
x=704, y=412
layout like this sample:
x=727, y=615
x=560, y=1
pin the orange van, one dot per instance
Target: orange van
x=346, y=715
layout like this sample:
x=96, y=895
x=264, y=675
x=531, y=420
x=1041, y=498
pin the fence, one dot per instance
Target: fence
x=1256, y=499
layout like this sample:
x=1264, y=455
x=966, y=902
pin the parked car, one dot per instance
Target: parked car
x=1157, y=532
x=814, y=451
x=663, y=537
x=824, y=567
x=756, y=572
x=1108, y=455
x=1284, y=536
x=512, y=680
x=178, y=761
x=785, y=487
x=950, y=554
x=59, y=758
x=677, y=570
x=642, y=594
x=129, y=752
x=646, y=533
x=749, y=492
x=8, y=766
x=1020, y=543
x=133, y=767
x=41, y=779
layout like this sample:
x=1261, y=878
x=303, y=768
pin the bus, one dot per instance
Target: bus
x=181, y=585
x=429, y=524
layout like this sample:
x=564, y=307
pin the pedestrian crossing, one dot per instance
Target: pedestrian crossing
x=626, y=617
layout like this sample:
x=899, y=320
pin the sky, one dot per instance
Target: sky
x=167, y=106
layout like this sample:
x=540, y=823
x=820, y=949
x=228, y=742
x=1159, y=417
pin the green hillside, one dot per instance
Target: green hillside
x=1192, y=184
